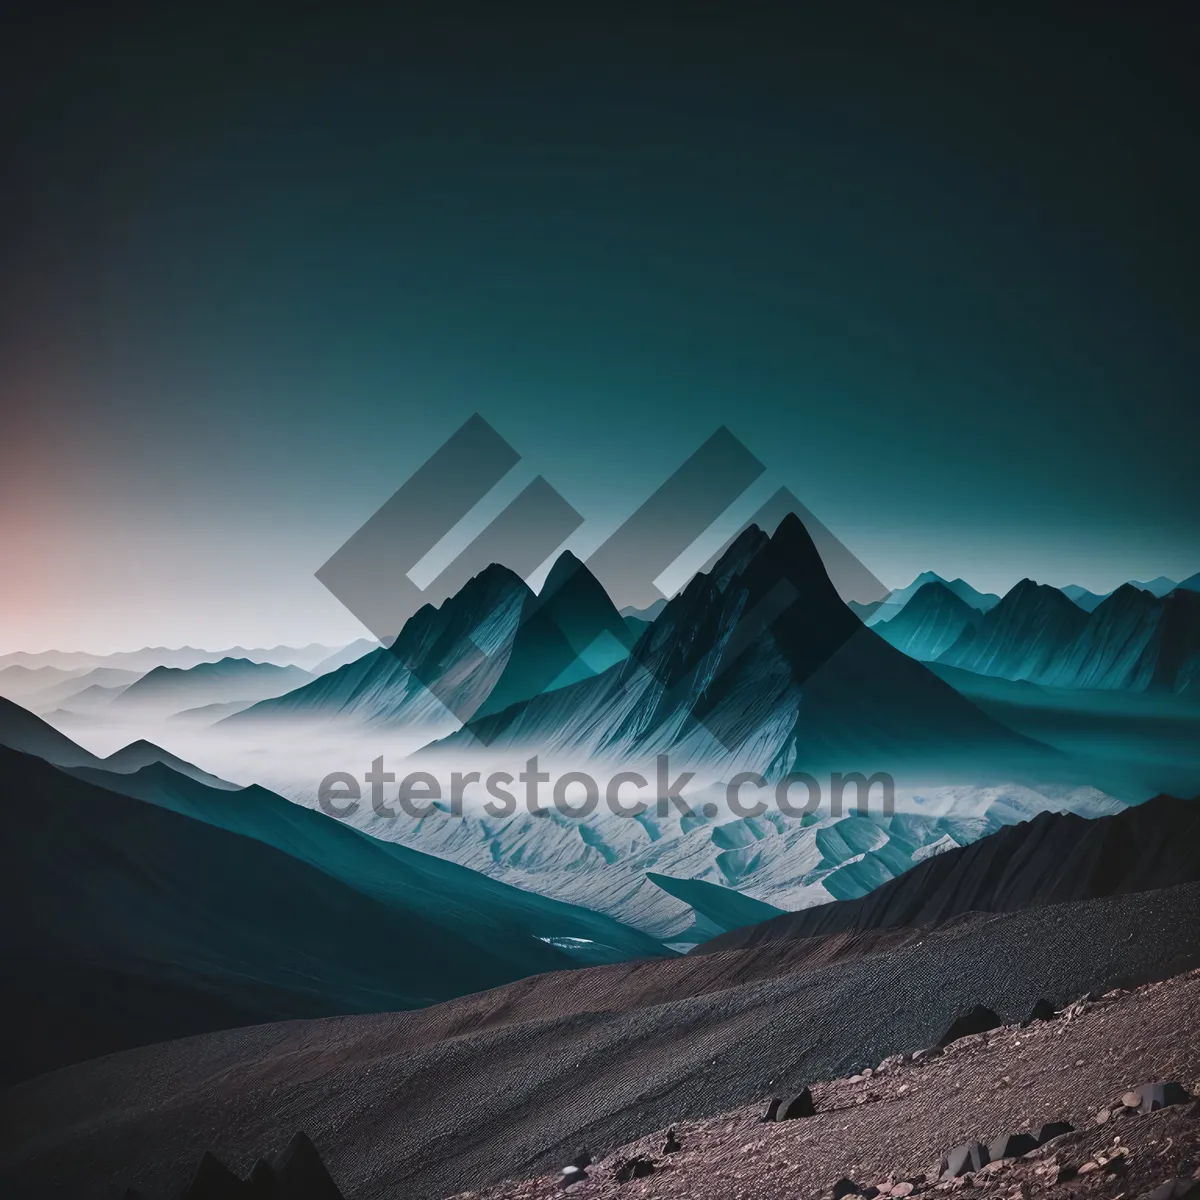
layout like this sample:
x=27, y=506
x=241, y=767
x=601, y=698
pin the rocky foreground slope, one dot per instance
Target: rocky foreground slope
x=511, y=1083
x=886, y=1130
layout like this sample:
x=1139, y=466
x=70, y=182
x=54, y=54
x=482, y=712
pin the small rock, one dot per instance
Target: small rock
x=671, y=1145
x=1051, y=1130
x=1131, y=1099
x=1103, y=1115
x=903, y=1189
x=1089, y=1167
x=800, y=1105
x=979, y=1020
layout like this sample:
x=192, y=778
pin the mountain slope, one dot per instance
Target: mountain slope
x=21, y=730
x=569, y=631
x=1081, y=596
x=1053, y=859
x=1023, y=635
x=440, y=668
x=142, y=753
x=930, y=623
x=201, y=908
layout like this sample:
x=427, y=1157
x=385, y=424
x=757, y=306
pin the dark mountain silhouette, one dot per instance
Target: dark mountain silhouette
x=1055, y=858
x=1191, y=583
x=149, y=906
x=759, y=661
x=930, y=623
x=21, y=730
x=142, y=753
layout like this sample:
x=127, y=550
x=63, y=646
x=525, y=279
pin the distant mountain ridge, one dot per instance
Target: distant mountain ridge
x=1132, y=639
x=896, y=600
x=1052, y=859
x=930, y=623
x=228, y=679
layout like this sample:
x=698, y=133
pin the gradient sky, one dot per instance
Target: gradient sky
x=939, y=274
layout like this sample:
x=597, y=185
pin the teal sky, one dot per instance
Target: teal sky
x=939, y=275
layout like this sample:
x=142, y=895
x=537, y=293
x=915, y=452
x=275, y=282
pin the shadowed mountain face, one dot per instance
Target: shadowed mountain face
x=761, y=664
x=1055, y=858
x=146, y=906
x=21, y=730
x=930, y=623
x=1133, y=639
x=569, y=631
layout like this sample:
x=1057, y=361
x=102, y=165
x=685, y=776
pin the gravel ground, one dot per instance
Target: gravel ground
x=894, y=1125
x=421, y=1105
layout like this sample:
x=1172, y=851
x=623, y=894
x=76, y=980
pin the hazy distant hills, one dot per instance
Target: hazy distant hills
x=149, y=657
x=173, y=689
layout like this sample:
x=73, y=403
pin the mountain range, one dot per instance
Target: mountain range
x=757, y=662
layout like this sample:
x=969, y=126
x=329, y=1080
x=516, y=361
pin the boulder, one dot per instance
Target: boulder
x=772, y=1109
x=970, y=1156
x=634, y=1168
x=845, y=1187
x=800, y=1105
x=1161, y=1095
x=1051, y=1130
x=572, y=1175
x=979, y=1020
x=1043, y=1010
x=213, y=1181
x=1012, y=1145
x=1175, y=1189
x=671, y=1145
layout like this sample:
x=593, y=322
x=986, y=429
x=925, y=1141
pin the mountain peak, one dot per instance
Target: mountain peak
x=565, y=567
